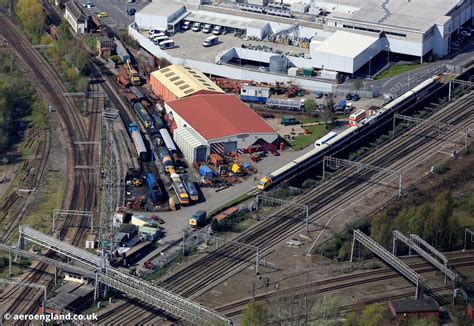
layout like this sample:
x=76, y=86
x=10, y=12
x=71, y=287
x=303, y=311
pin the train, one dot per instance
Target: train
x=142, y=153
x=168, y=140
x=143, y=115
x=165, y=158
x=281, y=10
x=180, y=190
x=154, y=188
x=310, y=158
x=191, y=189
x=158, y=121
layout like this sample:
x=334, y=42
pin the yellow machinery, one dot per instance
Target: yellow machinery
x=132, y=73
x=264, y=183
x=137, y=182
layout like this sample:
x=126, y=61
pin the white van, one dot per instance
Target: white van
x=210, y=41
x=186, y=25
x=168, y=44
x=156, y=31
x=153, y=36
x=196, y=27
x=217, y=30
x=207, y=28
x=160, y=39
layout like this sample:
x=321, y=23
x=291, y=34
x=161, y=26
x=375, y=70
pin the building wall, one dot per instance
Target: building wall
x=189, y=147
x=79, y=28
x=146, y=21
x=161, y=90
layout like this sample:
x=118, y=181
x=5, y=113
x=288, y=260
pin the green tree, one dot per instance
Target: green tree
x=374, y=315
x=255, y=314
x=310, y=105
x=470, y=204
x=32, y=17
x=215, y=225
x=328, y=114
x=381, y=229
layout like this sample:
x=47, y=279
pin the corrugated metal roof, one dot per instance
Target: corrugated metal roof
x=213, y=19
x=192, y=138
x=215, y=116
x=183, y=81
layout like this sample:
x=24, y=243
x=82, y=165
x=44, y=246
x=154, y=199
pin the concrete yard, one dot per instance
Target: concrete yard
x=189, y=45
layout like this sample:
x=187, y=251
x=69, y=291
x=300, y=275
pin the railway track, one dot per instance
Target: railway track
x=220, y=265
x=194, y=279
x=82, y=195
x=339, y=283
x=11, y=221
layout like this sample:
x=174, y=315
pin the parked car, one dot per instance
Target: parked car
x=103, y=14
x=348, y=96
x=87, y=4
x=131, y=11
x=318, y=94
x=263, y=69
x=355, y=97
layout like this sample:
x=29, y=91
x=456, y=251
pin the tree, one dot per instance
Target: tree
x=381, y=229
x=255, y=314
x=374, y=315
x=215, y=225
x=310, y=105
x=470, y=204
x=328, y=112
x=31, y=15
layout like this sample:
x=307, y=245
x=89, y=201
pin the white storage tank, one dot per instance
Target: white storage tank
x=278, y=64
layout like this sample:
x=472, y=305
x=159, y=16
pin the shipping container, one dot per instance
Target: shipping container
x=205, y=171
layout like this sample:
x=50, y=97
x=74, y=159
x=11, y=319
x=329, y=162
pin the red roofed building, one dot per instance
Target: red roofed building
x=216, y=123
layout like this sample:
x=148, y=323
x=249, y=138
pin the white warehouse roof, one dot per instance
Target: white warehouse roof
x=160, y=9
x=346, y=44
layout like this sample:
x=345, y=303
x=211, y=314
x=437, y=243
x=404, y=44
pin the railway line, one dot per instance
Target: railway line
x=81, y=184
x=331, y=195
x=343, y=282
x=214, y=268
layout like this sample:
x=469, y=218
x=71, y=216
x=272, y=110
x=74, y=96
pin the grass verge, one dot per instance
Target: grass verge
x=300, y=142
x=395, y=70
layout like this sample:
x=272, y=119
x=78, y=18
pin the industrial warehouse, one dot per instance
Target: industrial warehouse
x=331, y=38
x=219, y=124
x=237, y=162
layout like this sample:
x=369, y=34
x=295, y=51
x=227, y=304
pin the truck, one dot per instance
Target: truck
x=217, y=30
x=198, y=218
x=210, y=41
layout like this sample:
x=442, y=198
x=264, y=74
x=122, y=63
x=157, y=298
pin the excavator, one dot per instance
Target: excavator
x=132, y=73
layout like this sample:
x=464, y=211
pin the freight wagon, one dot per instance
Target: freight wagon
x=168, y=140
x=143, y=115
x=154, y=189
x=138, y=94
x=122, y=52
x=142, y=153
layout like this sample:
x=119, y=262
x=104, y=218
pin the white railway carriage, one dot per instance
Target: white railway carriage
x=310, y=157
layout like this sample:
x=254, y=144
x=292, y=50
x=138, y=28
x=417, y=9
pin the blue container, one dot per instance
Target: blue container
x=205, y=171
